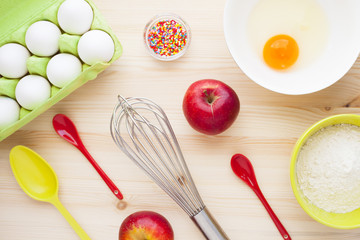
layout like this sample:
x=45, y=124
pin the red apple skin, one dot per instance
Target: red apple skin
x=210, y=106
x=146, y=225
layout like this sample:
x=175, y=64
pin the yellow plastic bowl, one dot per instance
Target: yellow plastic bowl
x=336, y=220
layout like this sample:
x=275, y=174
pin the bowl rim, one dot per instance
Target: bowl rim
x=293, y=178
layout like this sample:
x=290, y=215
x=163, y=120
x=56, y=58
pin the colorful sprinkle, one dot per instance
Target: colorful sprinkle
x=167, y=37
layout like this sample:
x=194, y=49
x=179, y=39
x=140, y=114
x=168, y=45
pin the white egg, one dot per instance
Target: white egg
x=42, y=38
x=9, y=111
x=32, y=91
x=96, y=46
x=75, y=16
x=62, y=69
x=13, y=58
x=303, y=20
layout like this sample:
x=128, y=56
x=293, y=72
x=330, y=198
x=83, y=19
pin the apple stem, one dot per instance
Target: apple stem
x=209, y=97
x=205, y=92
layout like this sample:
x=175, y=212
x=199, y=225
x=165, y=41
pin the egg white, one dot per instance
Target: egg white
x=303, y=20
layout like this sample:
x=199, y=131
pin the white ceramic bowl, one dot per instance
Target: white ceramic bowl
x=339, y=54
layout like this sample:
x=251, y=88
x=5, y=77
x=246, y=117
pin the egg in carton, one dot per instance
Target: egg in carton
x=47, y=50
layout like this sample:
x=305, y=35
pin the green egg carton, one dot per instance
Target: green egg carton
x=15, y=17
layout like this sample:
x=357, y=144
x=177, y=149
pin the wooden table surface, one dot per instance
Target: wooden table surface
x=266, y=130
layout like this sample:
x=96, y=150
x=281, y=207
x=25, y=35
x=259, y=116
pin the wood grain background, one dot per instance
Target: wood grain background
x=266, y=130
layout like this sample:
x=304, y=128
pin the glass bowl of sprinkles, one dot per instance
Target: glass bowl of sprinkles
x=167, y=37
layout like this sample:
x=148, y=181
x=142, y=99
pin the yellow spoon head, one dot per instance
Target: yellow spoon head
x=34, y=175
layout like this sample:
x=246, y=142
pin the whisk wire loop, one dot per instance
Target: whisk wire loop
x=153, y=150
x=164, y=172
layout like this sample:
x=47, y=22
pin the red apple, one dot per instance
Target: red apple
x=146, y=225
x=210, y=106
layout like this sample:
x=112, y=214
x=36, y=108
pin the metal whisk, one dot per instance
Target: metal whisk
x=151, y=143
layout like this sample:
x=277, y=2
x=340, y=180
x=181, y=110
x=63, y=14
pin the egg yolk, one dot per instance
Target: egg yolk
x=280, y=52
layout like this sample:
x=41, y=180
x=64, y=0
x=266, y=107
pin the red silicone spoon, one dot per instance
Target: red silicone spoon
x=67, y=130
x=243, y=168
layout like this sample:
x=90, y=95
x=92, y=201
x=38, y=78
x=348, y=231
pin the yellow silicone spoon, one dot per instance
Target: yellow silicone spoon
x=36, y=177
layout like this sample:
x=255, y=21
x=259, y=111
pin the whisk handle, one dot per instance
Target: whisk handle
x=208, y=226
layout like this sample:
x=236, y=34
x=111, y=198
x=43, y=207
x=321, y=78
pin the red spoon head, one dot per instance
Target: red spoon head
x=243, y=168
x=66, y=129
